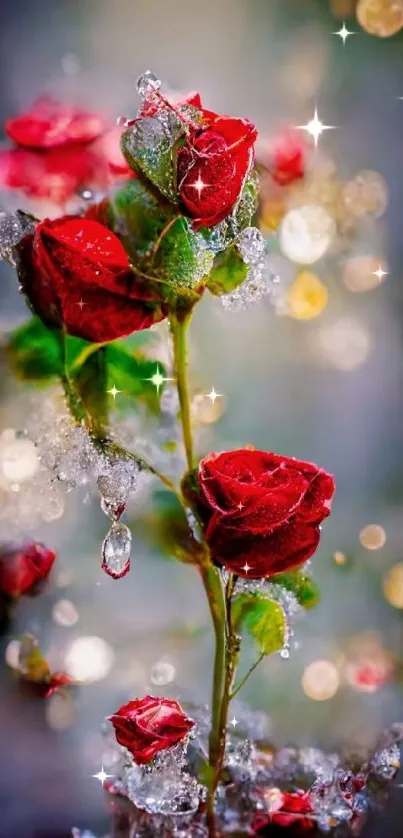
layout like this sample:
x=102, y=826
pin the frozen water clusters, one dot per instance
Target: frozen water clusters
x=260, y=277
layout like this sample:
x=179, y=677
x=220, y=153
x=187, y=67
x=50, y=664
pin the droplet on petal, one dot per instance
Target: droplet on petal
x=147, y=83
x=116, y=551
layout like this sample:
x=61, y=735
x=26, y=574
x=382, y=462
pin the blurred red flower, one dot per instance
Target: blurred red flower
x=60, y=150
x=23, y=567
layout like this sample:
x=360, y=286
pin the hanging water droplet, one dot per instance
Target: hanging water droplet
x=113, y=496
x=147, y=83
x=116, y=551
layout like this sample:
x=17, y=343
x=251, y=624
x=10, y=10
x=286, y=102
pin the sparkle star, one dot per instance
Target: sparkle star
x=344, y=33
x=158, y=379
x=315, y=127
x=380, y=273
x=199, y=185
x=246, y=567
x=234, y=722
x=240, y=506
x=81, y=304
x=102, y=776
x=212, y=395
x=114, y=392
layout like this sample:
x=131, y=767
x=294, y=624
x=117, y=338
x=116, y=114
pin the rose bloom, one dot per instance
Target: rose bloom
x=23, y=568
x=291, y=811
x=76, y=273
x=59, y=150
x=213, y=165
x=214, y=160
x=262, y=510
x=148, y=725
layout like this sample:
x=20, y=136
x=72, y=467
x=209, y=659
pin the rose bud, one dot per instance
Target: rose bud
x=262, y=510
x=76, y=274
x=52, y=124
x=213, y=165
x=23, y=568
x=148, y=725
x=290, y=813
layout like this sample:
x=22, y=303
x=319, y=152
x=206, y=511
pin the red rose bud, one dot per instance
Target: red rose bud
x=22, y=568
x=288, y=158
x=263, y=510
x=213, y=166
x=76, y=274
x=51, y=124
x=290, y=810
x=148, y=725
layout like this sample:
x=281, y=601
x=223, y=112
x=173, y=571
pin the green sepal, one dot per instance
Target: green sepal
x=262, y=618
x=301, y=585
x=149, y=147
x=161, y=243
x=228, y=272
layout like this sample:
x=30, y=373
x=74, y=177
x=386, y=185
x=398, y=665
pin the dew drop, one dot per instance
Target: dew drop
x=116, y=551
x=147, y=83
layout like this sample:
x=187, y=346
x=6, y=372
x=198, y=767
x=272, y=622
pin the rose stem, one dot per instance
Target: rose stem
x=179, y=325
x=213, y=586
x=219, y=725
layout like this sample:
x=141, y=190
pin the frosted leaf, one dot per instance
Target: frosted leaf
x=385, y=763
x=258, y=284
x=116, y=551
x=13, y=227
x=251, y=245
x=147, y=83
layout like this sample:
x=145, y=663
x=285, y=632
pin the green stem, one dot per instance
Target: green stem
x=220, y=722
x=239, y=686
x=179, y=326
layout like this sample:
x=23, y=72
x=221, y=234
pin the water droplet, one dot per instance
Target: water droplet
x=87, y=194
x=147, y=83
x=116, y=551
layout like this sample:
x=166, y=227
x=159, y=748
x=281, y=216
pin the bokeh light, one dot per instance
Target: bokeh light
x=307, y=297
x=320, y=680
x=380, y=17
x=344, y=344
x=65, y=613
x=373, y=537
x=89, y=659
x=306, y=233
x=364, y=273
x=393, y=585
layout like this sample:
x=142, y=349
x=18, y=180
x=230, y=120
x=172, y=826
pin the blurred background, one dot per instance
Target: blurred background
x=324, y=386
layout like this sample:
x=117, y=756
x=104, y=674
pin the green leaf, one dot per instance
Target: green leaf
x=148, y=147
x=36, y=352
x=262, y=618
x=167, y=527
x=301, y=585
x=161, y=243
x=228, y=272
x=113, y=367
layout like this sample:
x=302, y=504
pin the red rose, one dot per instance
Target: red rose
x=287, y=159
x=148, y=725
x=76, y=273
x=263, y=510
x=50, y=124
x=291, y=809
x=22, y=568
x=213, y=165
